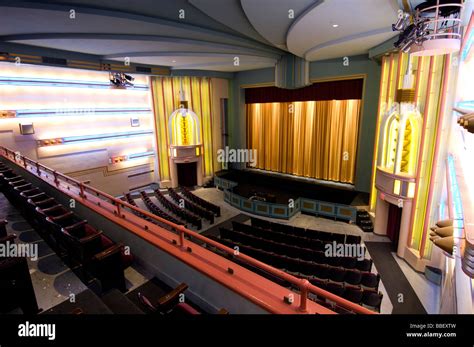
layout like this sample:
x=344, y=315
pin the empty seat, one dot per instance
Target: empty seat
x=353, y=293
x=335, y=288
x=370, y=280
x=364, y=265
x=348, y=262
x=336, y=274
x=320, y=271
x=372, y=299
x=353, y=277
x=353, y=239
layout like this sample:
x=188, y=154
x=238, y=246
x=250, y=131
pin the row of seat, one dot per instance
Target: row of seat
x=305, y=268
x=74, y=239
x=206, y=204
x=306, y=233
x=178, y=211
x=355, y=285
x=156, y=210
x=315, y=255
x=310, y=249
x=191, y=206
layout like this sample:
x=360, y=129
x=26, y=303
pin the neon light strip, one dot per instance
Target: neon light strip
x=456, y=195
x=467, y=46
x=19, y=81
x=30, y=113
x=140, y=155
x=101, y=137
x=467, y=105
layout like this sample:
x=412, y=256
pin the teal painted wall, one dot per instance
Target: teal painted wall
x=318, y=70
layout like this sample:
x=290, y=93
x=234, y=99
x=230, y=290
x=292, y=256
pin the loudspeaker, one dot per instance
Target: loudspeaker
x=27, y=129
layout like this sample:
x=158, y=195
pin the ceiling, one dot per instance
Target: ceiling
x=209, y=37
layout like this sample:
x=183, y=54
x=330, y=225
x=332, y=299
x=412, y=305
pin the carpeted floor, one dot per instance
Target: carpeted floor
x=401, y=293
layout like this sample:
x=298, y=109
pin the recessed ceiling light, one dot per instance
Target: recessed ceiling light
x=335, y=25
x=173, y=61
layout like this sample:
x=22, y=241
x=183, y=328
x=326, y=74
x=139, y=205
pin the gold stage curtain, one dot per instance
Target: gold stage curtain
x=316, y=139
x=165, y=93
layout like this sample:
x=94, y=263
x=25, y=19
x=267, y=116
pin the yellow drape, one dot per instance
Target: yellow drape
x=316, y=139
x=165, y=91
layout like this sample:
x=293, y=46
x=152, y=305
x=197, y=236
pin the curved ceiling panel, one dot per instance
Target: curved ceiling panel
x=271, y=18
x=350, y=47
x=223, y=63
x=230, y=14
x=18, y=21
x=332, y=23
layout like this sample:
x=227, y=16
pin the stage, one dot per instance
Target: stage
x=285, y=187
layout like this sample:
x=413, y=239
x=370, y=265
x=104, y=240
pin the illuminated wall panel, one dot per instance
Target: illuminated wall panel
x=80, y=106
x=428, y=73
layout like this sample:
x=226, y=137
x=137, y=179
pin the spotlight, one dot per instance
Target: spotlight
x=121, y=80
x=402, y=22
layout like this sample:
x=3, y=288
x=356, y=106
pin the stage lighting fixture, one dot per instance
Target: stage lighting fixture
x=435, y=28
x=402, y=22
x=120, y=80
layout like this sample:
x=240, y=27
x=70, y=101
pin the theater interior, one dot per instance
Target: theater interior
x=200, y=157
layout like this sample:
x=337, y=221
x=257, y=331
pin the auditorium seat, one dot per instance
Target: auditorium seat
x=165, y=303
x=353, y=277
x=353, y=239
x=370, y=280
x=336, y=274
x=353, y=293
x=335, y=288
x=348, y=262
x=372, y=300
x=364, y=265
x=321, y=271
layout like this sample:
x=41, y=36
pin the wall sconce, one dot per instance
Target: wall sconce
x=50, y=142
x=117, y=159
x=7, y=114
x=27, y=128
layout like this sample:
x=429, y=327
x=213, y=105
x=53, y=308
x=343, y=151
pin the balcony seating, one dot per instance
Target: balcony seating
x=191, y=206
x=181, y=213
x=73, y=238
x=201, y=202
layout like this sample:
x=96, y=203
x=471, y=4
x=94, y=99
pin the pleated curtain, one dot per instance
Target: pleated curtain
x=316, y=139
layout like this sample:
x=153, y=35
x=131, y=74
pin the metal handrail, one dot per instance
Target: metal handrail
x=304, y=285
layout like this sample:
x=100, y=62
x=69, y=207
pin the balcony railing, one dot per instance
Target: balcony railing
x=63, y=182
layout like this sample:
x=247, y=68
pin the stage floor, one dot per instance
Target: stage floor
x=285, y=188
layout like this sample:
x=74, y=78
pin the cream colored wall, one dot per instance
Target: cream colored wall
x=84, y=160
